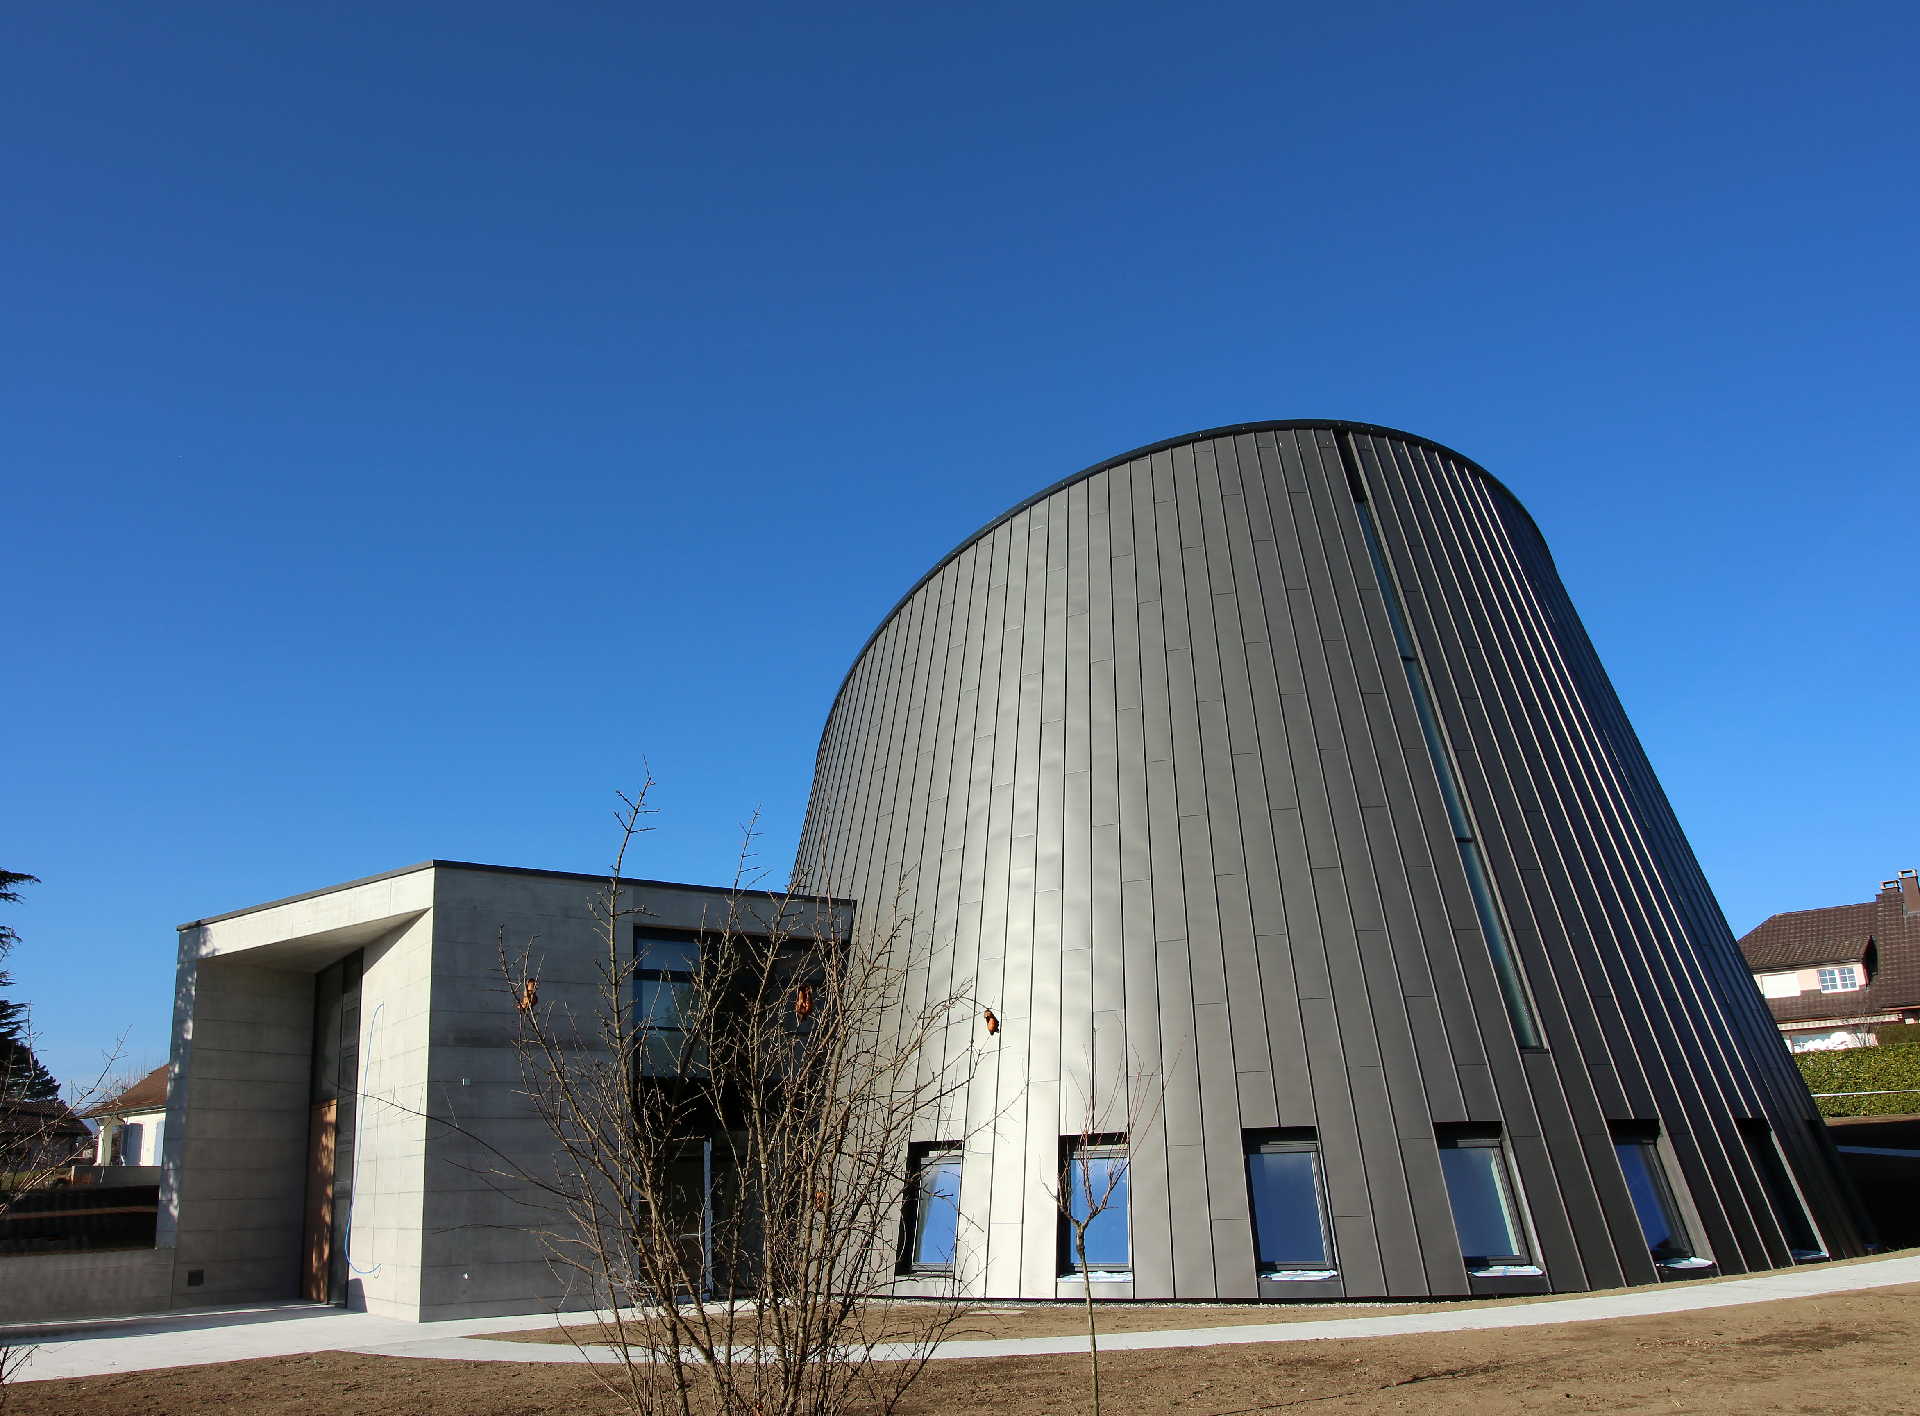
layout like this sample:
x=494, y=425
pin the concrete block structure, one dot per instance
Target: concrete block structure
x=345, y=1095
x=1275, y=760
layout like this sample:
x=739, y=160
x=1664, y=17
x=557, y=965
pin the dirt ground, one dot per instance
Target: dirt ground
x=1844, y=1353
x=1003, y=1320
x=1053, y=1320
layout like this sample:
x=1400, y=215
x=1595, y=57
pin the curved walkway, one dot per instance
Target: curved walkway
x=183, y=1340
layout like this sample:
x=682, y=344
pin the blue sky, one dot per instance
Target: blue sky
x=417, y=416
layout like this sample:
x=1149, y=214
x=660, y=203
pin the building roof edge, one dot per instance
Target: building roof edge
x=1204, y=435
x=492, y=870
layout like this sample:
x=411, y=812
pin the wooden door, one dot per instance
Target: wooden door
x=317, y=1253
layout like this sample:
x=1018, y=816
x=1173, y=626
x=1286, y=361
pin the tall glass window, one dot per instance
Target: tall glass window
x=664, y=1000
x=1096, y=1177
x=936, y=1211
x=1652, y=1198
x=1506, y=967
x=1289, y=1213
x=1481, y=1192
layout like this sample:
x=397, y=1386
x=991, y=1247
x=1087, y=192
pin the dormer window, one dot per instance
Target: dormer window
x=1842, y=978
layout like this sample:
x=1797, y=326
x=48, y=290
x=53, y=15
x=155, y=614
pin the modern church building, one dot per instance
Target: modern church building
x=1263, y=788
x=1272, y=763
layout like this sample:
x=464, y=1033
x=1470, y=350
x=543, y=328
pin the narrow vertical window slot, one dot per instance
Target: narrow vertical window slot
x=1096, y=1237
x=665, y=1001
x=1506, y=968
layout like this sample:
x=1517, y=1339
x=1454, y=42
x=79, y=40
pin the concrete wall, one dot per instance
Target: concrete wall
x=242, y=1146
x=440, y=1224
x=484, y=1249
x=233, y=1202
x=390, y=1150
x=38, y=1288
x=482, y=1253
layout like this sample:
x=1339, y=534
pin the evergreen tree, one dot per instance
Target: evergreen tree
x=22, y=1077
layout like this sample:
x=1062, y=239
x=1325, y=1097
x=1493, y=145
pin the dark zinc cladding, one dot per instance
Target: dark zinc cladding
x=1273, y=763
x=1512, y=991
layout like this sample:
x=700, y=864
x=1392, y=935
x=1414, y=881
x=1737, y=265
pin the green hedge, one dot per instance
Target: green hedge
x=1894, y=1064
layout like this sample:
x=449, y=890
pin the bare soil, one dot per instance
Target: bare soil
x=1066, y=1319
x=1842, y=1353
x=1042, y=1320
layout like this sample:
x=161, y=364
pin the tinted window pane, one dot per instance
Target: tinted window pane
x=939, y=1212
x=1286, y=1210
x=663, y=1005
x=660, y=1054
x=1664, y=1236
x=1481, y=1214
x=670, y=955
x=1106, y=1240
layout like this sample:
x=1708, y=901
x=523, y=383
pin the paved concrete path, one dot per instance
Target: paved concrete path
x=189, y=1339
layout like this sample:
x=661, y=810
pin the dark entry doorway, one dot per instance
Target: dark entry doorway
x=331, y=1118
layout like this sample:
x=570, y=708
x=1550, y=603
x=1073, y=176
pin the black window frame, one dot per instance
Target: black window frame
x=913, y=1208
x=1096, y=1147
x=1292, y=1140
x=1488, y=1136
x=1644, y=1137
x=651, y=933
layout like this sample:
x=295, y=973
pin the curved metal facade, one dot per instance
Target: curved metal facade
x=1145, y=761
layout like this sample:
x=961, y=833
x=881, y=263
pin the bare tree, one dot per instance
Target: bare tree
x=732, y=1121
x=41, y=1133
x=1094, y=1170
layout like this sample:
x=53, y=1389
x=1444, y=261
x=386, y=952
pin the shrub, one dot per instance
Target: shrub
x=1893, y=1066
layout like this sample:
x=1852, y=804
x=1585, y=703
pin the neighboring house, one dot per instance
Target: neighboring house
x=39, y=1137
x=1834, y=977
x=133, y=1123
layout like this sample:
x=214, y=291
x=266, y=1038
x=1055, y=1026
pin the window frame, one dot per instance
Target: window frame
x=1779, y=984
x=643, y=935
x=920, y=1158
x=1102, y=1147
x=1290, y=1141
x=1850, y=972
x=1506, y=1181
x=1782, y=1190
x=1644, y=1137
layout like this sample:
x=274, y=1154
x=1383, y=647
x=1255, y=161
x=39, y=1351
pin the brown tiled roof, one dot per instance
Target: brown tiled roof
x=147, y=1094
x=1802, y=938
x=43, y=1119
